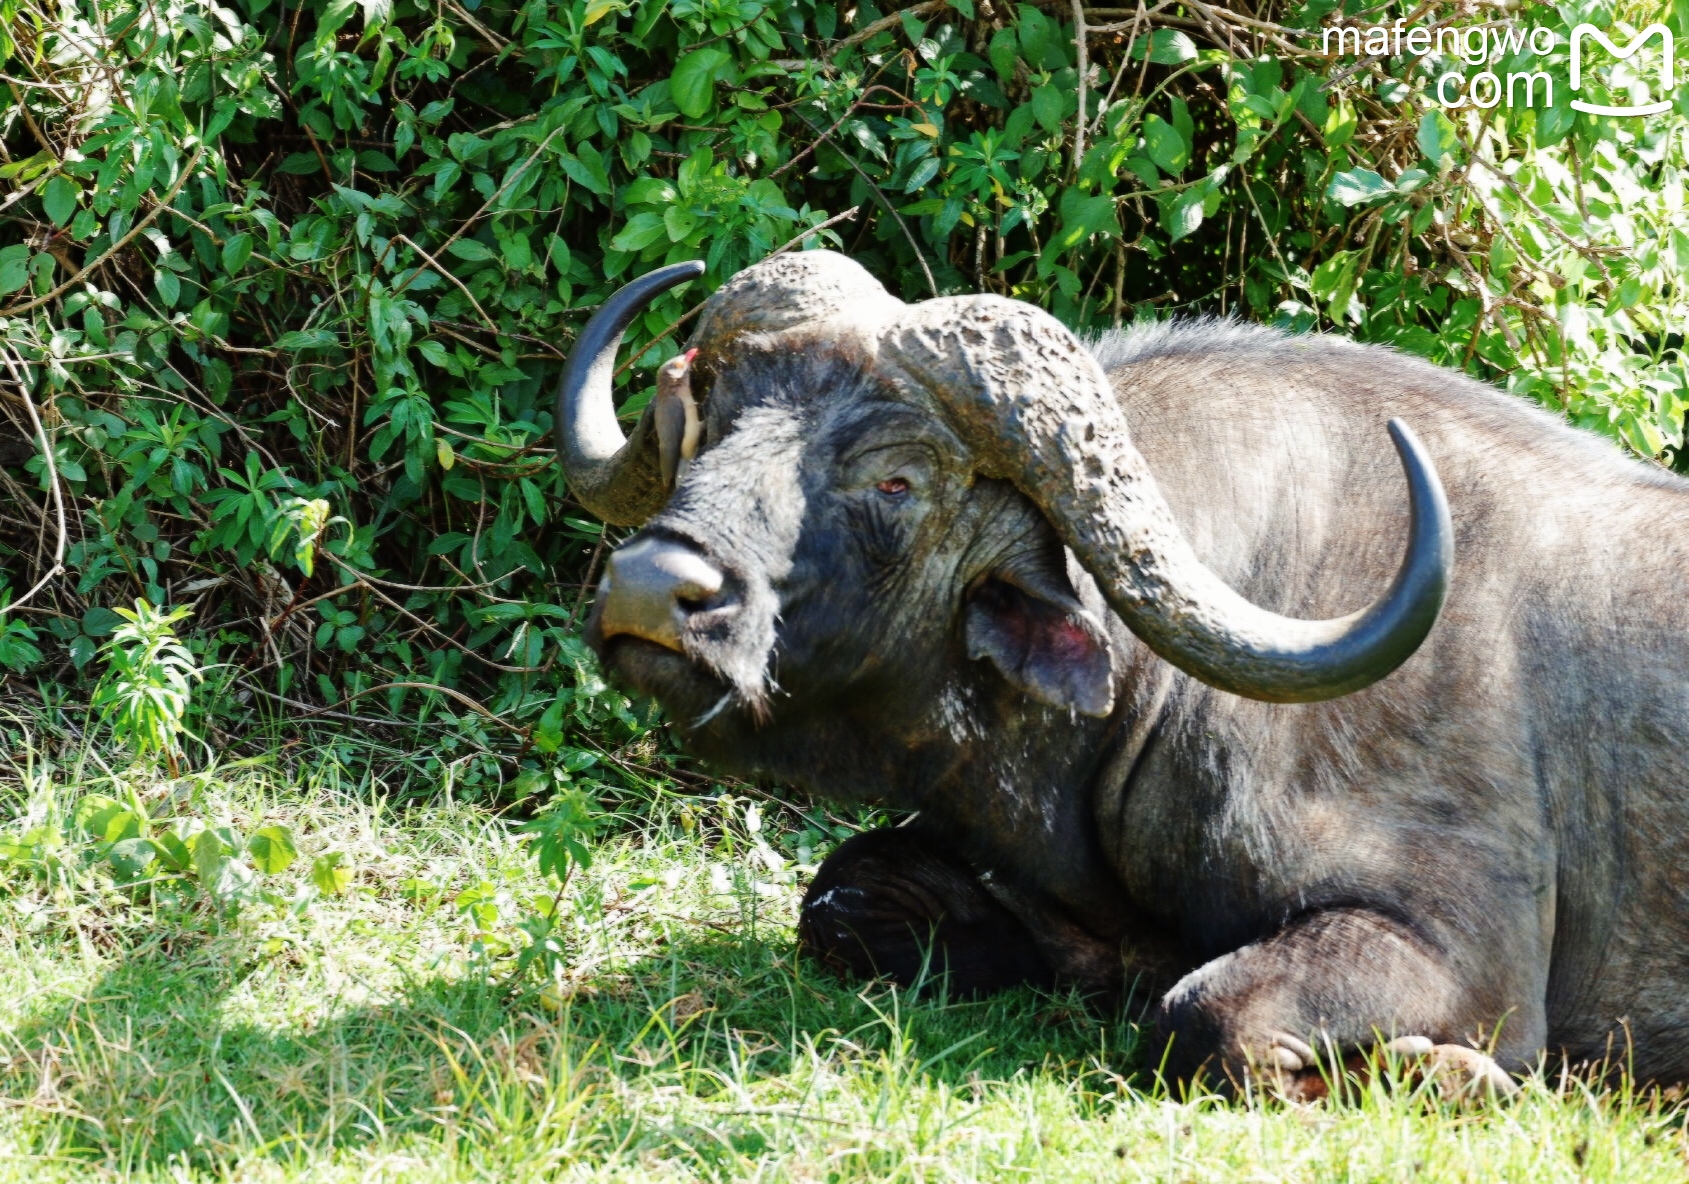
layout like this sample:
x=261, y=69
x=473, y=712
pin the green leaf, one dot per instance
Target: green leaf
x=272, y=849
x=692, y=85
x=300, y=163
x=643, y=229
x=209, y=856
x=562, y=834
x=130, y=858
x=1437, y=139
x=1141, y=168
x=330, y=873
x=1185, y=214
x=333, y=16
x=471, y=250
x=237, y=249
x=105, y=819
x=14, y=268
x=173, y=853
x=1041, y=40
x=1553, y=123
x=1048, y=103
x=1165, y=145
x=420, y=891
x=924, y=172
x=679, y=222
x=1340, y=124
x=650, y=190
x=1082, y=217
x=547, y=733
x=1334, y=282
x=1003, y=54
x=1183, y=123
x=169, y=287
x=1357, y=186
x=301, y=339
x=58, y=199
x=1411, y=179
x=1166, y=47
x=586, y=169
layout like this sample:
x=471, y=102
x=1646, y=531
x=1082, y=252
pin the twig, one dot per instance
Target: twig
x=327, y=713
x=298, y=605
x=23, y=109
x=1588, y=250
x=424, y=625
x=667, y=330
x=884, y=201
x=1131, y=30
x=163, y=204
x=1272, y=240
x=816, y=229
x=450, y=278
x=488, y=204
x=24, y=191
x=1079, y=37
x=429, y=686
x=493, y=39
x=881, y=25
x=281, y=92
x=545, y=345
x=52, y=480
x=849, y=111
x=369, y=579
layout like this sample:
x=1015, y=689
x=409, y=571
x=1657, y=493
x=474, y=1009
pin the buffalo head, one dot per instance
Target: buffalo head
x=900, y=521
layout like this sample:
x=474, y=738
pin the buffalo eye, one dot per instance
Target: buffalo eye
x=893, y=486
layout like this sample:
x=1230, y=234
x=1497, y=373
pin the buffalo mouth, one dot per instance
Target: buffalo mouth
x=687, y=691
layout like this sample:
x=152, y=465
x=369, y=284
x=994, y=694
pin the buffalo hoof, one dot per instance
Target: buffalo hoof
x=1463, y=1076
x=889, y=905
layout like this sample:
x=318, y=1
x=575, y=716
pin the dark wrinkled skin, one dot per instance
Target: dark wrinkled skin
x=1485, y=846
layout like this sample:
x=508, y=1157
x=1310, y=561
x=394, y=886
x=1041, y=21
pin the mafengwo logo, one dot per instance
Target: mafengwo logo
x=1522, y=82
x=1583, y=34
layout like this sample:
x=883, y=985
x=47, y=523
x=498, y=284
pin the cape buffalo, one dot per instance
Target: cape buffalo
x=915, y=558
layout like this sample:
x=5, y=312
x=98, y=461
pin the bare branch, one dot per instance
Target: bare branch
x=163, y=204
x=52, y=482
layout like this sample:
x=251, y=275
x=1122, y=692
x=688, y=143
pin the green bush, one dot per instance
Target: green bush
x=288, y=287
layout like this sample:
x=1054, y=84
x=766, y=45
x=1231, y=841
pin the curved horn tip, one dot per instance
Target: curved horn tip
x=610, y=477
x=1427, y=499
x=1429, y=563
x=1392, y=630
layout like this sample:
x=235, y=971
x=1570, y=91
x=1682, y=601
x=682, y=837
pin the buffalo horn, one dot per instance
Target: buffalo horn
x=613, y=476
x=1035, y=408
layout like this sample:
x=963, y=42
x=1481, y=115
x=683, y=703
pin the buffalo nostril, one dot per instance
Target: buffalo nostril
x=650, y=587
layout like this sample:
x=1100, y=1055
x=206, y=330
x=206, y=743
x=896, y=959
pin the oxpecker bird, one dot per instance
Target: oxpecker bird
x=676, y=413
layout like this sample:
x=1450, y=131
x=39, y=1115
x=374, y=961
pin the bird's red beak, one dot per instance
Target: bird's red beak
x=689, y=355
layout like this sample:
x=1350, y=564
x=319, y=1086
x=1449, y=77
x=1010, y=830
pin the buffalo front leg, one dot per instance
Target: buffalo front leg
x=888, y=904
x=1338, y=981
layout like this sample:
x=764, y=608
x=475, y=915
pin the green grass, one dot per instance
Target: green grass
x=371, y=1035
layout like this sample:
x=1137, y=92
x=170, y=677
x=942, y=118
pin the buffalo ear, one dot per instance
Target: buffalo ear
x=1043, y=641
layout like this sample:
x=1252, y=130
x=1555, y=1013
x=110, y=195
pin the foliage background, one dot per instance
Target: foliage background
x=287, y=287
